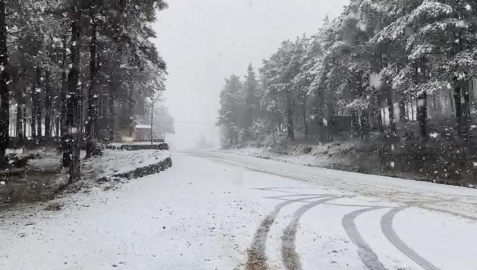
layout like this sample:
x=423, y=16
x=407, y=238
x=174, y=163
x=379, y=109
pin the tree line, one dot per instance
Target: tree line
x=380, y=64
x=74, y=69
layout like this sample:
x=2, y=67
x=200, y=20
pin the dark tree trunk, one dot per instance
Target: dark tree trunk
x=37, y=103
x=64, y=108
x=458, y=107
x=465, y=111
x=64, y=89
x=112, y=112
x=4, y=94
x=392, y=119
x=19, y=121
x=73, y=113
x=305, y=122
x=319, y=114
x=58, y=126
x=380, y=119
x=24, y=123
x=422, y=115
x=92, y=120
x=20, y=132
x=291, y=134
x=33, y=111
x=402, y=111
x=104, y=117
x=130, y=120
x=355, y=122
x=82, y=107
x=47, y=104
x=365, y=127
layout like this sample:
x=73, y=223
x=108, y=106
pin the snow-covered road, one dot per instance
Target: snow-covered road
x=216, y=210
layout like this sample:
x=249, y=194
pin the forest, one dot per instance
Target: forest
x=76, y=72
x=402, y=71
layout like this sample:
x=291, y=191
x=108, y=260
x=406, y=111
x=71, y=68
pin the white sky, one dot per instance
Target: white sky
x=205, y=41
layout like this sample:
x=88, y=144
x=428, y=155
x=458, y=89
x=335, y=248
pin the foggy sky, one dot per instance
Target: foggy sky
x=205, y=41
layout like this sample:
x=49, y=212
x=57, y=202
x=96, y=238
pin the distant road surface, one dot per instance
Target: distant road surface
x=215, y=210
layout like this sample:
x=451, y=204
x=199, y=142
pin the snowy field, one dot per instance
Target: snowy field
x=215, y=210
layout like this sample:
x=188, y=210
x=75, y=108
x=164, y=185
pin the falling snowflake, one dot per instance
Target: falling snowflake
x=434, y=135
x=392, y=164
x=468, y=7
x=361, y=26
x=421, y=103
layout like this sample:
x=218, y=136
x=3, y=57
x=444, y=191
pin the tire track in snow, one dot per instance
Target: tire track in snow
x=257, y=258
x=290, y=258
x=367, y=255
x=391, y=235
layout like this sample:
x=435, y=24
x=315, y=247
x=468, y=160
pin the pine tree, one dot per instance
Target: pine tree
x=232, y=105
x=4, y=92
x=251, y=101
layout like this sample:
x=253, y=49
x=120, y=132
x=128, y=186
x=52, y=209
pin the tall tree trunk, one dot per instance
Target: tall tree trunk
x=104, y=116
x=365, y=124
x=82, y=104
x=20, y=132
x=4, y=94
x=64, y=89
x=24, y=123
x=422, y=115
x=451, y=103
x=112, y=112
x=392, y=119
x=380, y=119
x=355, y=121
x=64, y=108
x=465, y=110
x=291, y=134
x=19, y=121
x=33, y=112
x=130, y=120
x=458, y=107
x=92, y=119
x=73, y=113
x=421, y=102
x=319, y=113
x=37, y=103
x=58, y=126
x=402, y=111
x=47, y=104
x=305, y=122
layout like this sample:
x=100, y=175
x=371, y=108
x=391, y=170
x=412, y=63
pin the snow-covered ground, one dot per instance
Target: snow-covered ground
x=327, y=155
x=121, y=161
x=217, y=210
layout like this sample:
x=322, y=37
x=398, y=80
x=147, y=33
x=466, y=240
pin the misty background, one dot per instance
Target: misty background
x=204, y=42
